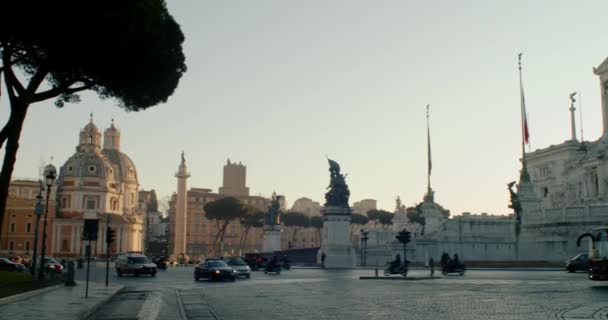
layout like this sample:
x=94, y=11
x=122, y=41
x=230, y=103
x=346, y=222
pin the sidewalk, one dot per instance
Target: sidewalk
x=61, y=303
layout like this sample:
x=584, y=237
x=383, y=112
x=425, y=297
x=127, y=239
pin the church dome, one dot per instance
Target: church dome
x=126, y=171
x=89, y=165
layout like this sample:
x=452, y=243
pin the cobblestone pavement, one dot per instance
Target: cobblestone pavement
x=337, y=296
x=332, y=294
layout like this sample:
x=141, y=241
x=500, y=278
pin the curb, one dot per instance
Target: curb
x=86, y=314
x=398, y=278
x=29, y=294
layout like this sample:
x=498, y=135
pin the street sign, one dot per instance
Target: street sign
x=90, y=229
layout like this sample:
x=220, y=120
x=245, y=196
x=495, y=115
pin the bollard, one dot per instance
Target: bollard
x=70, y=275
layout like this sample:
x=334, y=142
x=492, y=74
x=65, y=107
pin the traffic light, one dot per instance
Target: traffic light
x=404, y=236
x=110, y=233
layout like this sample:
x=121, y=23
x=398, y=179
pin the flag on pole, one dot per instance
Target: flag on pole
x=428, y=136
x=524, y=116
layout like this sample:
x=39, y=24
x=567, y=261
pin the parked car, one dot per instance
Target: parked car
x=50, y=265
x=7, y=265
x=579, y=262
x=135, y=264
x=242, y=269
x=256, y=261
x=214, y=270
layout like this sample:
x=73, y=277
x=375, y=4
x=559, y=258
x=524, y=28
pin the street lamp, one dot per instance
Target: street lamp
x=39, y=210
x=364, y=247
x=50, y=174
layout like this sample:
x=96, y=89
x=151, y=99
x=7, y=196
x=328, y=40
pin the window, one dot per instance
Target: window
x=64, y=202
x=13, y=227
x=92, y=169
x=11, y=246
x=27, y=246
x=545, y=192
x=28, y=227
x=91, y=204
x=65, y=245
x=544, y=171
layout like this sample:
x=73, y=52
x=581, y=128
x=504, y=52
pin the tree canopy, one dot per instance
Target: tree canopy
x=359, y=219
x=383, y=217
x=130, y=50
x=126, y=49
x=225, y=209
x=295, y=219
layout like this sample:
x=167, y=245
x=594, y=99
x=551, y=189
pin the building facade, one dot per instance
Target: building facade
x=566, y=196
x=19, y=225
x=200, y=232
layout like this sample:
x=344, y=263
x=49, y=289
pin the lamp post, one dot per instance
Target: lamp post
x=50, y=174
x=39, y=210
x=364, y=247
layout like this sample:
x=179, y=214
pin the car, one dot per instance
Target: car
x=579, y=262
x=135, y=264
x=7, y=265
x=50, y=265
x=256, y=261
x=214, y=270
x=242, y=269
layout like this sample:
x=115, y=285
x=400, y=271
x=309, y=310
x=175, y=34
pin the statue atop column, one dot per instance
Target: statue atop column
x=338, y=193
x=274, y=211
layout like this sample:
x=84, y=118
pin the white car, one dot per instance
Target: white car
x=242, y=269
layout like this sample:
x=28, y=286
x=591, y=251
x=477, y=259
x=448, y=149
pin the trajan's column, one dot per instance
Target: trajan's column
x=181, y=211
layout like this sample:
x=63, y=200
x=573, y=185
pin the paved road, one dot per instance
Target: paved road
x=333, y=294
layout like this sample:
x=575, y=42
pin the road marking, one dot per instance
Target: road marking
x=151, y=307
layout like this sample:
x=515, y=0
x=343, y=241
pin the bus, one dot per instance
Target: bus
x=598, y=253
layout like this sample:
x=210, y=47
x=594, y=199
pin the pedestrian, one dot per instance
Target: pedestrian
x=432, y=266
x=322, y=259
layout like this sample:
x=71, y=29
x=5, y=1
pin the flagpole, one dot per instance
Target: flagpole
x=429, y=164
x=524, y=134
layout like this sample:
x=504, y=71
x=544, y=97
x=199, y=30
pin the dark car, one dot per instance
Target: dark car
x=255, y=261
x=7, y=265
x=50, y=265
x=579, y=262
x=214, y=270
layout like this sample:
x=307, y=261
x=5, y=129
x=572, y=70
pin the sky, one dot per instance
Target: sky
x=278, y=85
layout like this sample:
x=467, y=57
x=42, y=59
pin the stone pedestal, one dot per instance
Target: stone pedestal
x=336, y=244
x=272, y=238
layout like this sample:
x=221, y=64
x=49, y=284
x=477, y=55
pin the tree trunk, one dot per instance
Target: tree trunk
x=14, y=126
x=244, y=246
x=293, y=236
x=217, y=236
x=223, y=233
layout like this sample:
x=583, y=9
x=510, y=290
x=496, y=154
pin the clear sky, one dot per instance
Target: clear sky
x=280, y=84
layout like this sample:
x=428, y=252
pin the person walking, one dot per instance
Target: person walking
x=323, y=260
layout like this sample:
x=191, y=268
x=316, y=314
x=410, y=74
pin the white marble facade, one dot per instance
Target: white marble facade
x=567, y=196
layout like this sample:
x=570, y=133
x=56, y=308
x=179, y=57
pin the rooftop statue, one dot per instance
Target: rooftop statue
x=338, y=193
x=274, y=211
